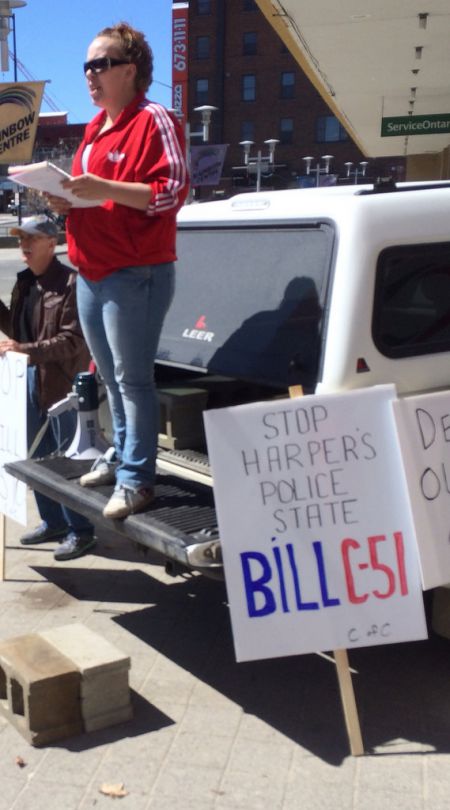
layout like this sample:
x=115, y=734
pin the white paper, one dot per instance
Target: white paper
x=13, y=433
x=45, y=176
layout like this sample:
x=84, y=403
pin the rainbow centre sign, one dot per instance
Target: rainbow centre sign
x=19, y=113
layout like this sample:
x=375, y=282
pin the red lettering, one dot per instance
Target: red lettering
x=346, y=545
x=378, y=566
x=400, y=550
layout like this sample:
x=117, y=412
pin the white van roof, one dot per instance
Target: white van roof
x=291, y=204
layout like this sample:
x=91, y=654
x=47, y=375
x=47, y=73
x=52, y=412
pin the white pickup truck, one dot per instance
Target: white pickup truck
x=336, y=288
x=333, y=289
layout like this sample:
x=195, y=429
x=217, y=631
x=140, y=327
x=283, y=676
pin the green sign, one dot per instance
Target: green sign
x=415, y=125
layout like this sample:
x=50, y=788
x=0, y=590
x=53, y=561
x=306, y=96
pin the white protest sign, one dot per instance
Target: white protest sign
x=316, y=528
x=13, y=432
x=423, y=424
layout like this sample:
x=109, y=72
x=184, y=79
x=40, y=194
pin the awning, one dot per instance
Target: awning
x=377, y=64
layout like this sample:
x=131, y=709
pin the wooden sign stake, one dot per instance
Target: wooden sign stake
x=343, y=672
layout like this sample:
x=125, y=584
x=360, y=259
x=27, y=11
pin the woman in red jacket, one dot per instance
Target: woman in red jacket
x=132, y=162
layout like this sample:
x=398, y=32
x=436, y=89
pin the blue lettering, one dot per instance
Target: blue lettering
x=327, y=602
x=298, y=596
x=279, y=564
x=259, y=585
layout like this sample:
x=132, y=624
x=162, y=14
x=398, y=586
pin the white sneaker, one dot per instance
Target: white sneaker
x=125, y=501
x=102, y=472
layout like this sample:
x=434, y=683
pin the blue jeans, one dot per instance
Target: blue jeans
x=122, y=317
x=57, y=437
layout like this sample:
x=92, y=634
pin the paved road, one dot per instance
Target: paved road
x=207, y=733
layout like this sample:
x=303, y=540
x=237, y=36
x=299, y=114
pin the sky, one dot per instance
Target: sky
x=52, y=37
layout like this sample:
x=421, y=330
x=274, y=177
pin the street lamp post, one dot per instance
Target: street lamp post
x=356, y=172
x=318, y=169
x=255, y=165
x=206, y=111
x=6, y=15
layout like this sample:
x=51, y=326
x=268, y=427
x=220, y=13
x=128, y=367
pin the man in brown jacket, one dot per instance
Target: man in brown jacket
x=42, y=322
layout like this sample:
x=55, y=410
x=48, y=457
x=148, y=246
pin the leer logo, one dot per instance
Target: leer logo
x=200, y=331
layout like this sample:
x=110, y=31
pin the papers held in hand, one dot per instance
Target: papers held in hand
x=45, y=176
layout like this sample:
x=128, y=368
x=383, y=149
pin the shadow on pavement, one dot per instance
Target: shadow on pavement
x=100, y=585
x=146, y=718
x=402, y=690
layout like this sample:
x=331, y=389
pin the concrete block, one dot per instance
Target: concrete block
x=181, y=420
x=99, y=720
x=62, y=682
x=100, y=693
x=39, y=690
x=104, y=687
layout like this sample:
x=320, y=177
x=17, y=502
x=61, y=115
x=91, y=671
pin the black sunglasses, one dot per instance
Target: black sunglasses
x=103, y=63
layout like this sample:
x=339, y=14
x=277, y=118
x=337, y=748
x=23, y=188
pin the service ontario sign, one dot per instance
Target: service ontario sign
x=415, y=125
x=315, y=523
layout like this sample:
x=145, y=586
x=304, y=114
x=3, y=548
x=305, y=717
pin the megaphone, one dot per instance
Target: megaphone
x=89, y=440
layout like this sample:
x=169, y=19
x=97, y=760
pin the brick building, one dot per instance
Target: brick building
x=238, y=64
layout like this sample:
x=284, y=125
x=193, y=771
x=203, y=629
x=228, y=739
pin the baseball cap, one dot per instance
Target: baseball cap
x=40, y=225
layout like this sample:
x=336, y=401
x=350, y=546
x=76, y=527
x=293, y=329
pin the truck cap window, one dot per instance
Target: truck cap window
x=411, y=313
x=236, y=316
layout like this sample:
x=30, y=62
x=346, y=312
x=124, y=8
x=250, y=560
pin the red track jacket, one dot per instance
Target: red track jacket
x=145, y=145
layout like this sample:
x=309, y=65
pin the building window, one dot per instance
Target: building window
x=287, y=84
x=201, y=91
x=249, y=87
x=330, y=130
x=247, y=131
x=286, y=130
x=203, y=6
x=249, y=41
x=249, y=5
x=203, y=47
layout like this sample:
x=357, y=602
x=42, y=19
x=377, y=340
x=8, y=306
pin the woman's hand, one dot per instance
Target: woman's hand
x=91, y=187
x=58, y=204
x=88, y=187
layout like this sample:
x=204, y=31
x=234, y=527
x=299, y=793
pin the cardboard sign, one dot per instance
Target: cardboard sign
x=20, y=103
x=423, y=424
x=13, y=432
x=316, y=529
x=207, y=164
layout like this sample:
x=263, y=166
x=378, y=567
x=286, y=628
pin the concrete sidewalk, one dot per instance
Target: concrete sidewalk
x=207, y=732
